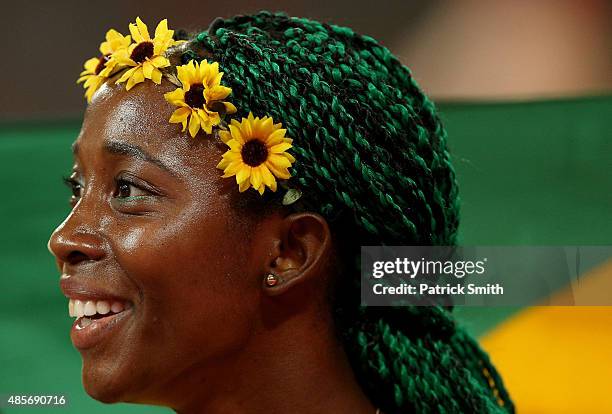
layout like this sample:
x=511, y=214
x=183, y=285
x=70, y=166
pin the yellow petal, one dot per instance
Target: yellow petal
x=217, y=79
x=216, y=93
x=267, y=177
x=290, y=157
x=279, y=172
x=279, y=161
x=233, y=155
x=109, y=67
x=282, y=147
x=126, y=75
x=136, y=78
x=135, y=33
x=160, y=62
x=201, y=69
x=229, y=107
x=225, y=136
x=209, y=74
x=236, y=133
x=246, y=130
x=91, y=80
x=130, y=83
x=223, y=164
x=212, y=117
x=90, y=65
x=243, y=174
x=230, y=161
x=194, y=125
x=276, y=137
x=162, y=29
x=143, y=29
x=180, y=115
x=114, y=41
x=234, y=145
x=184, y=73
x=161, y=44
x=273, y=186
x=233, y=167
x=147, y=69
x=243, y=186
x=207, y=126
x=266, y=125
x=84, y=76
x=182, y=78
x=156, y=76
x=122, y=57
x=92, y=88
x=176, y=97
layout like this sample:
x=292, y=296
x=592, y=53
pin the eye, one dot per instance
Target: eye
x=127, y=189
x=75, y=187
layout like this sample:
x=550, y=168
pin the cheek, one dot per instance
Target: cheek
x=198, y=297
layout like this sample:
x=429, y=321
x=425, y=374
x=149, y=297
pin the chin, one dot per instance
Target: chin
x=104, y=383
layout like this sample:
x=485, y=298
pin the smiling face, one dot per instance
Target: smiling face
x=153, y=229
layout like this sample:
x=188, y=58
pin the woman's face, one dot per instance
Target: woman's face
x=153, y=229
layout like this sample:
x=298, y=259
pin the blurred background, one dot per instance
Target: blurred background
x=524, y=89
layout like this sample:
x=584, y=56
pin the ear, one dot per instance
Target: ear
x=301, y=252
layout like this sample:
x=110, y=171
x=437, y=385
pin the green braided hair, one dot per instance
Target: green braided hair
x=372, y=159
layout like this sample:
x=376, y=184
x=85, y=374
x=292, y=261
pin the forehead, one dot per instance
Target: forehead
x=140, y=117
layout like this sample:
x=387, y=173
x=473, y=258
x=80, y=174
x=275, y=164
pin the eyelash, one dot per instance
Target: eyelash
x=76, y=188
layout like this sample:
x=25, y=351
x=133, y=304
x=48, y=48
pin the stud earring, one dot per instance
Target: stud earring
x=272, y=280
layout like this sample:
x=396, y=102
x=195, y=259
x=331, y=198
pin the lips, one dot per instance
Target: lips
x=100, y=312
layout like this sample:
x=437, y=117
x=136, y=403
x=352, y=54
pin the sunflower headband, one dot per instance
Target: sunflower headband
x=257, y=154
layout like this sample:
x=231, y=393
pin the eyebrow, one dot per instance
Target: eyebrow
x=122, y=148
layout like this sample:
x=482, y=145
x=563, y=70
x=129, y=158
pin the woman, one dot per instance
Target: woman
x=223, y=184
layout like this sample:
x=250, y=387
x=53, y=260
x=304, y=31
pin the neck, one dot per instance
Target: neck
x=297, y=366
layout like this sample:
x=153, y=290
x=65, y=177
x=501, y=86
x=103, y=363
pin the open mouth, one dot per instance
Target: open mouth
x=95, y=319
x=88, y=311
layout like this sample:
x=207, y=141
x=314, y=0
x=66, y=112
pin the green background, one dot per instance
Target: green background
x=529, y=173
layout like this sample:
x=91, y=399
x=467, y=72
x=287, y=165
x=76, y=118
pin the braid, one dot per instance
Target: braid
x=373, y=160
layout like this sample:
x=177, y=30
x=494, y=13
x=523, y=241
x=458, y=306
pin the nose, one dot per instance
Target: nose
x=72, y=243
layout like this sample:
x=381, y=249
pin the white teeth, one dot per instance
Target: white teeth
x=90, y=308
x=78, y=308
x=117, y=307
x=103, y=307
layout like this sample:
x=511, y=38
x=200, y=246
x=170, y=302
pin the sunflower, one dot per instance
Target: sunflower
x=200, y=97
x=257, y=154
x=114, y=41
x=97, y=70
x=145, y=57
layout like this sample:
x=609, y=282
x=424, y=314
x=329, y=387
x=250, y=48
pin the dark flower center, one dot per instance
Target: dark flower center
x=142, y=51
x=101, y=62
x=216, y=106
x=254, y=152
x=194, y=97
